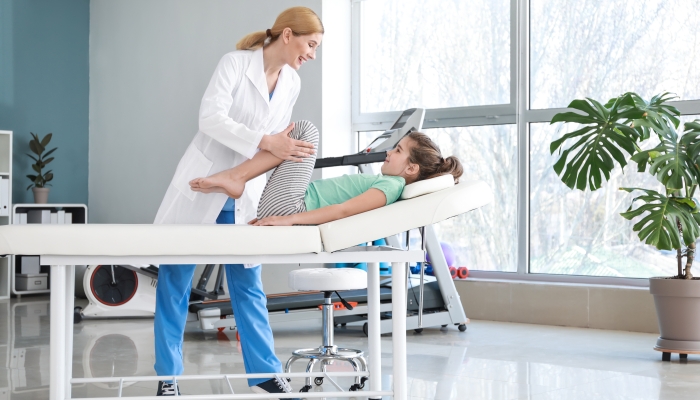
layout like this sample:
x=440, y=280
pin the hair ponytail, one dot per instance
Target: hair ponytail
x=451, y=165
x=252, y=41
x=426, y=154
x=301, y=20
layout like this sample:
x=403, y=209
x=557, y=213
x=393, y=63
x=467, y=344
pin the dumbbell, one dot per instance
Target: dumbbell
x=462, y=272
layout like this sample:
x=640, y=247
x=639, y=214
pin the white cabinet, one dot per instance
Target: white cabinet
x=5, y=207
x=27, y=277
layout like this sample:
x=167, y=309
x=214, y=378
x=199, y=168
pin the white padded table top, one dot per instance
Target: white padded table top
x=405, y=215
x=148, y=240
x=221, y=240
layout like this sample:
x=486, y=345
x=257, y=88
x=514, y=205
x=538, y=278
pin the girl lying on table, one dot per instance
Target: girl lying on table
x=289, y=199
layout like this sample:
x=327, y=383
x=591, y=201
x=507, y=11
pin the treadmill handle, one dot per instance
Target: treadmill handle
x=353, y=159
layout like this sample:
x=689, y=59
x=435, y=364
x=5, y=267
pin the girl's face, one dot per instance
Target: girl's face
x=397, y=164
x=300, y=49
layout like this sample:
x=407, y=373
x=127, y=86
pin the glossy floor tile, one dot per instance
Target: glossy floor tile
x=491, y=360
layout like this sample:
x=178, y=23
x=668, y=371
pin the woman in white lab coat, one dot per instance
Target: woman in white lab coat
x=247, y=106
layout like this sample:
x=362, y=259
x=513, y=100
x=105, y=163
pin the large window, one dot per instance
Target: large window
x=439, y=53
x=582, y=233
x=599, y=49
x=487, y=237
x=492, y=74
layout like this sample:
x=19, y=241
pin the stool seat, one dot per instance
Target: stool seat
x=328, y=279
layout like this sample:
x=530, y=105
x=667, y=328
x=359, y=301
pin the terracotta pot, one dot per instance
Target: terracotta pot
x=41, y=195
x=677, y=309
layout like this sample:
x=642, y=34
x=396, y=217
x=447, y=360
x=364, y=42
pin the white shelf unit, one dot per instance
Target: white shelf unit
x=5, y=207
x=79, y=213
x=5, y=348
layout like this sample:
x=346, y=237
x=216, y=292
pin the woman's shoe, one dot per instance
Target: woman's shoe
x=167, y=389
x=274, y=385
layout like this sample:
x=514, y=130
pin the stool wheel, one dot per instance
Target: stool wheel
x=443, y=326
x=462, y=327
x=306, y=388
x=365, y=329
x=318, y=381
x=419, y=330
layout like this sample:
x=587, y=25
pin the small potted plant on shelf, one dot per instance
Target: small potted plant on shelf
x=41, y=179
x=669, y=218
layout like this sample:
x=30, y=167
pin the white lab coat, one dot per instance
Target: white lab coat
x=235, y=113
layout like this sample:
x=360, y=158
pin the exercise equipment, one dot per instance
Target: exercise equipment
x=463, y=272
x=117, y=291
x=448, y=252
x=433, y=301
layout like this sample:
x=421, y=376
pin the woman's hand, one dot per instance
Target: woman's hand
x=273, y=221
x=286, y=148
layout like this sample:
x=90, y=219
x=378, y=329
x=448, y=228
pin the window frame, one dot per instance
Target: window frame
x=517, y=112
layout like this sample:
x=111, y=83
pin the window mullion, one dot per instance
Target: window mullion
x=521, y=25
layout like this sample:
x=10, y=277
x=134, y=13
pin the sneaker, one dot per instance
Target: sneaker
x=274, y=385
x=167, y=389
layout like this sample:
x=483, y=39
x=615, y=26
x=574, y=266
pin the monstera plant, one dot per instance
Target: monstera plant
x=611, y=134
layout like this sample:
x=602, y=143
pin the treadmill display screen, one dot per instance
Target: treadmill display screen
x=376, y=143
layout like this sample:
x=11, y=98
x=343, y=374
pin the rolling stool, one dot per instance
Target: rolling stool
x=329, y=280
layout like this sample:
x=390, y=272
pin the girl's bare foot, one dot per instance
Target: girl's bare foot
x=223, y=182
x=213, y=189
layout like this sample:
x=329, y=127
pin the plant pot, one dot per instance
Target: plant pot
x=41, y=195
x=677, y=307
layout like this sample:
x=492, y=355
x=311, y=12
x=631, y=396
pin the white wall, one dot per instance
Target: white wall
x=150, y=62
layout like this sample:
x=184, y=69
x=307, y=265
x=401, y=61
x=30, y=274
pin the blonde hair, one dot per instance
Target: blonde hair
x=427, y=155
x=301, y=20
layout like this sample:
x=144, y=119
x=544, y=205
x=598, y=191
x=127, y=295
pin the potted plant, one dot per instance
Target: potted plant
x=668, y=219
x=41, y=179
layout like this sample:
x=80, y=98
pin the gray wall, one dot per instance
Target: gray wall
x=150, y=62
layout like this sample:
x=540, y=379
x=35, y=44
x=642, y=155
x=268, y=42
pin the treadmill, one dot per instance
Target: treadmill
x=431, y=301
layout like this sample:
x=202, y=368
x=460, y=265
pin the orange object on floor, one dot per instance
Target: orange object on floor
x=339, y=305
x=453, y=272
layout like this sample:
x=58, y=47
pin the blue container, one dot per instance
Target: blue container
x=384, y=268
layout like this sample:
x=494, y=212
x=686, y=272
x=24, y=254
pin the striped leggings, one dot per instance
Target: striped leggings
x=285, y=190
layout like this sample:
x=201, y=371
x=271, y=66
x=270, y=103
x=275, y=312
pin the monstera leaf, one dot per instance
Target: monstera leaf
x=602, y=139
x=659, y=226
x=673, y=161
x=654, y=110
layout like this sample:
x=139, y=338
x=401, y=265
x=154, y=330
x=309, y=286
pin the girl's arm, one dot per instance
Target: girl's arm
x=369, y=200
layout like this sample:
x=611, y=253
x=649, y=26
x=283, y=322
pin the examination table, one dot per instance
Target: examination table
x=63, y=246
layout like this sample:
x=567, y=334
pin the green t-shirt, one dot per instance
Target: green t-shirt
x=326, y=192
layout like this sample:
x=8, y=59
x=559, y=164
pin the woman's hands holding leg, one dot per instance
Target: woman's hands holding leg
x=286, y=148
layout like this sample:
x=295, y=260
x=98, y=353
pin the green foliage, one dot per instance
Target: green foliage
x=669, y=220
x=38, y=146
x=659, y=226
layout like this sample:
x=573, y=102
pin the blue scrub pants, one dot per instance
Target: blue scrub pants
x=249, y=308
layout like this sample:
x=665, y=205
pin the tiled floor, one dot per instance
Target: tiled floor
x=491, y=360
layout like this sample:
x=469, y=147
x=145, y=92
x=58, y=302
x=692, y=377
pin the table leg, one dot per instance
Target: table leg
x=374, y=328
x=68, y=320
x=57, y=334
x=398, y=318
